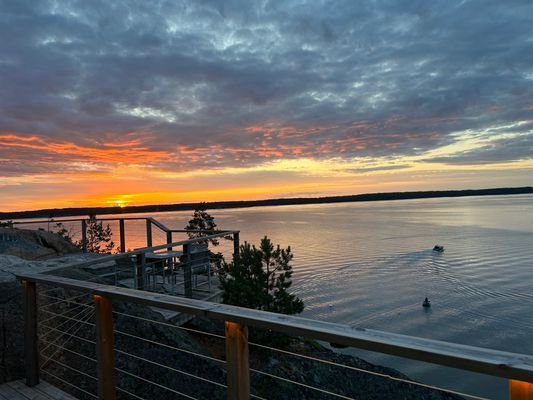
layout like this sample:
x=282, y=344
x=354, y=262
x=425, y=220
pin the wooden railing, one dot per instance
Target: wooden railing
x=517, y=368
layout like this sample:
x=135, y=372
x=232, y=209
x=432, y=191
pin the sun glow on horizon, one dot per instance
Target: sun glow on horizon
x=128, y=173
x=280, y=179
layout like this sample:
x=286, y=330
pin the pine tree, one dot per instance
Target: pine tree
x=202, y=221
x=61, y=230
x=260, y=278
x=99, y=238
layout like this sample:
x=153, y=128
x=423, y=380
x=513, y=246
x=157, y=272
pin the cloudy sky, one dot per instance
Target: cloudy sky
x=142, y=102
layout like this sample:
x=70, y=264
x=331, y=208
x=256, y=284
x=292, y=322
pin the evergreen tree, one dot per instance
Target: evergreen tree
x=260, y=278
x=202, y=221
x=61, y=230
x=99, y=238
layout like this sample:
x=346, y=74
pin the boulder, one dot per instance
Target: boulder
x=34, y=244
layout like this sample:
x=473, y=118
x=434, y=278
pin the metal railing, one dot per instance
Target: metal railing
x=153, y=229
x=124, y=351
x=180, y=268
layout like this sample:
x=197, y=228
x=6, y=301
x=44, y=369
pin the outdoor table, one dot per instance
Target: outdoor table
x=160, y=258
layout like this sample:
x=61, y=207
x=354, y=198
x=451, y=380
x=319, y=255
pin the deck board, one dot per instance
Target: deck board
x=17, y=390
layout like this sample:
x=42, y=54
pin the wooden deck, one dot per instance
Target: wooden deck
x=17, y=390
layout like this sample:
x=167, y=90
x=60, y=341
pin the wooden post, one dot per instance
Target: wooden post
x=519, y=390
x=187, y=270
x=139, y=271
x=148, y=233
x=105, y=348
x=122, y=236
x=237, y=361
x=84, y=235
x=169, y=239
x=235, y=244
x=31, y=340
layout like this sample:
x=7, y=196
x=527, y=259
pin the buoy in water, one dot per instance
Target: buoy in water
x=438, y=248
x=426, y=303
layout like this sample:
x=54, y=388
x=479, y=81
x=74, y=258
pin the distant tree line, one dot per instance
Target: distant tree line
x=69, y=212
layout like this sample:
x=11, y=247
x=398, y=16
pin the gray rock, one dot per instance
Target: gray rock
x=11, y=332
x=33, y=244
x=12, y=265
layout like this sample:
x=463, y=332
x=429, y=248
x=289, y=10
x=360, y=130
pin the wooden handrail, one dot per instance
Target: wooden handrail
x=486, y=361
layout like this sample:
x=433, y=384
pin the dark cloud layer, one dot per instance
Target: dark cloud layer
x=251, y=81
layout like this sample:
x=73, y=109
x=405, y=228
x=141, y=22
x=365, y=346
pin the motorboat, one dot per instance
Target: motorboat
x=438, y=248
x=426, y=303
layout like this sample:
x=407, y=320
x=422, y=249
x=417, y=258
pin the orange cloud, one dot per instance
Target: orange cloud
x=124, y=152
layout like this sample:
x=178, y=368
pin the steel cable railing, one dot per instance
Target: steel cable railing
x=65, y=353
x=304, y=385
x=55, y=315
x=159, y=237
x=69, y=384
x=323, y=361
x=70, y=350
x=170, y=347
x=173, y=348
x=290, y=353
x=155, y=282
x=129, y=394
x=170, y=363
x=172, y=368
x=157, y=384
x=150, y=351
x=351, y=368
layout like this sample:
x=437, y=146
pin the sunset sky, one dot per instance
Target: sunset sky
x=145, y=102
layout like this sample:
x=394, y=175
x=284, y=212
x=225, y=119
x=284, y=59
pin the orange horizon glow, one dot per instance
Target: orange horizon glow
x=60, y=174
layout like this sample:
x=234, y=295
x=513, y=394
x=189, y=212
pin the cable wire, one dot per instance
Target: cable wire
x=129, y=393
x=75, y=370
x=171, y=347
x=70, y=337
x=382, y=375
x=66, y=333
x=156, y=384
x=340, y=396
x=71, y=351
x=172, y=369
x=68, y=383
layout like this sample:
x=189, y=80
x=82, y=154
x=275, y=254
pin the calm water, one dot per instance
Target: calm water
x=373, y=263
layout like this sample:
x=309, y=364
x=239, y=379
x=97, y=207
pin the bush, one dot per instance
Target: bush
x=259, y=278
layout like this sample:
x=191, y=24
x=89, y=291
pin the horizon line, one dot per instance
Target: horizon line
x=378, y=196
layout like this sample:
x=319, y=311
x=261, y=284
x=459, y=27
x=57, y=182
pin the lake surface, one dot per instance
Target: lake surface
x=370, y=265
